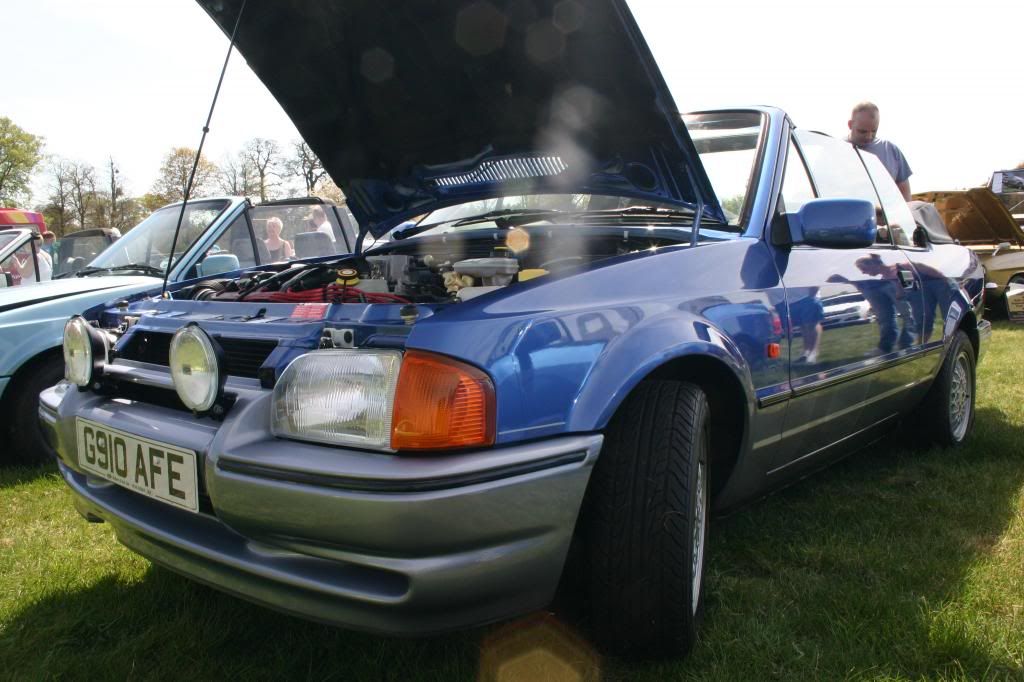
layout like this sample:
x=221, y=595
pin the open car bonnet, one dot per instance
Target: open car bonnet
x=412, y=105
x=975, y=216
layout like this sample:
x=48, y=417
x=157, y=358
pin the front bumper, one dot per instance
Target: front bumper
x=373, y=541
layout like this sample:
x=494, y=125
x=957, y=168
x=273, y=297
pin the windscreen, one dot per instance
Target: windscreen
x=7, y=238
x=728, y=144
x=149, y=242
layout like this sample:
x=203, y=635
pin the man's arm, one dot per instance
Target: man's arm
x=904, y=189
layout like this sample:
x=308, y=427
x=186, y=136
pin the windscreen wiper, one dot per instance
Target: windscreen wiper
x=138, y=267
x=651, y=214
x=512, y=216
x=645, y=211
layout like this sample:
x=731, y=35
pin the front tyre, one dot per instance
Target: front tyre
x=646, y=523
x=948, y=412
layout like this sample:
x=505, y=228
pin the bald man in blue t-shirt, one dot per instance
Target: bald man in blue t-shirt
x=863, y=130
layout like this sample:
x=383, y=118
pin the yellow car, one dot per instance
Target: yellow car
x=980, y=221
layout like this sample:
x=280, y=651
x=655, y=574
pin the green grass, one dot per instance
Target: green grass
x=894, y=564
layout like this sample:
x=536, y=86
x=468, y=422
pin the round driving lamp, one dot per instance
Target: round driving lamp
x=85, y=351
x=196, y=368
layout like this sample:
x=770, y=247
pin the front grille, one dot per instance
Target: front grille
x=151, y=347
x=243, y=357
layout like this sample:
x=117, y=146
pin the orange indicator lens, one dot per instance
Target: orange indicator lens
x=441, y=403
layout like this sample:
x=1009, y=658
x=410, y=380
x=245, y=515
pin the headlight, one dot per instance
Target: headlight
x=382, y=400
x=85, y=351
x=342, y=397
x=195, y=368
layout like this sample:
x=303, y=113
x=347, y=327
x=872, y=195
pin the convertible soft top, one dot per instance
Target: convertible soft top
x=930, y=220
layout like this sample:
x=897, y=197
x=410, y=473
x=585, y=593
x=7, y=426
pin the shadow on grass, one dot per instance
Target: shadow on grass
x=854, y=571
x=846, y=574
x=165, y=626
x=11, y=476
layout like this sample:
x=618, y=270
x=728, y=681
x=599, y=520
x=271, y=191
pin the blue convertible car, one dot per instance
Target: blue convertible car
x=604, y=322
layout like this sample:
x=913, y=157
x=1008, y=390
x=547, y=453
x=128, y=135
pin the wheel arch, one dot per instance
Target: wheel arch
x=728, y=401
x=31, y=364
x=969, y=325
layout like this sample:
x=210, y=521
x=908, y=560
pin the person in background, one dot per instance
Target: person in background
x=320, y=223
x=863, y=126
x=25, y=263
x=279, y=249
x=50, y=244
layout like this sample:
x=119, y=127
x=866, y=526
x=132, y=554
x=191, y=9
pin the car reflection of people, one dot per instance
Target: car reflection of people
x=888, y=301
x=936, y=295
x=319, y=221
x=279, y=249
x=808, y=313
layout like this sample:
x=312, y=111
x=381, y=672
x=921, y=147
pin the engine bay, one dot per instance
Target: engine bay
x=445, y=268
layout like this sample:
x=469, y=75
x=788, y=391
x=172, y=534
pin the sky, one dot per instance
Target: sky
x=130, y=80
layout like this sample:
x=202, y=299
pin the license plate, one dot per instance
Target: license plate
x=158, y=470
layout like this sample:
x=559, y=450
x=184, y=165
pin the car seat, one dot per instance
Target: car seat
x=312, y=244
x=243, y=249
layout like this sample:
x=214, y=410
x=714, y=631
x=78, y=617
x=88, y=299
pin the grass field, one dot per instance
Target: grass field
x=894, y=564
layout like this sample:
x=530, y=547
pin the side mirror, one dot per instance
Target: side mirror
x=835, y=224
x=217, y=263
x=1001, y=246
x=6, y=280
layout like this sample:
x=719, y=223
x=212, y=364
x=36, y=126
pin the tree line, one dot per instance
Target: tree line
x=80, y=195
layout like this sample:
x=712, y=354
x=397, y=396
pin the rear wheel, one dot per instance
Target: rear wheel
x=947, y=415
x=646, y=527
x=25, y=435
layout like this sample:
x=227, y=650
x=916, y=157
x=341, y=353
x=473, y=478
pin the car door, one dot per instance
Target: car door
x=23, y=263
x=848, y=313
x=929, y=291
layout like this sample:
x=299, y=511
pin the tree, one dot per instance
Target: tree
x=237, y=176
x=82, y=180
x=328, y=190
x=131, y=212
x=116, y=192
x=306, y=165
x=151, y=202
x=20, y=153
x=263, y=155
x=58, y=171
x=172, y=181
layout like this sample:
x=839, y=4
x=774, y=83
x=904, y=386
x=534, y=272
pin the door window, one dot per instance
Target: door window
x=835, y=167
x=897, y=213
x=838, y=172
x=232, y=250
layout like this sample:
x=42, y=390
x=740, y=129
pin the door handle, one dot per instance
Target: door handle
x=907, y=279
